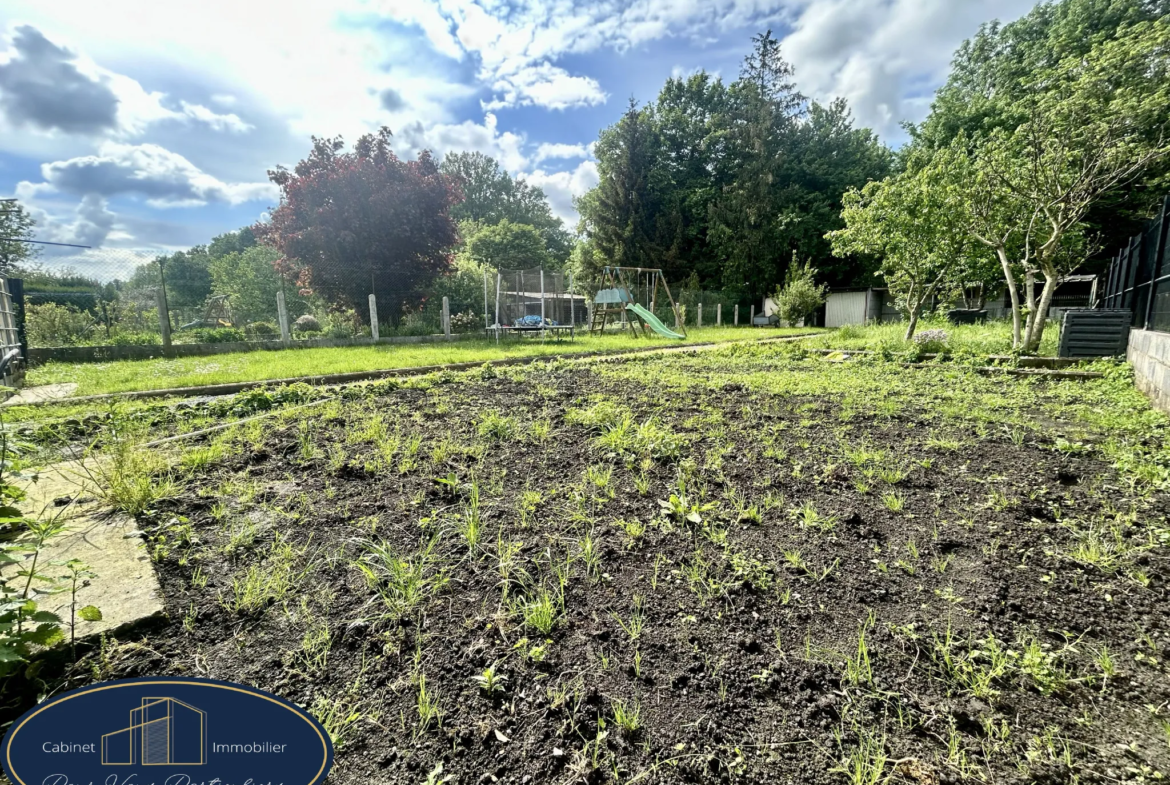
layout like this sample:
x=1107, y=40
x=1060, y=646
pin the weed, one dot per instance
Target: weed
x=430, y=713
x=497, y=427
x=490, y=681
x=627, y=716
x=808, y=518
x=894, y=501
x=403, y=584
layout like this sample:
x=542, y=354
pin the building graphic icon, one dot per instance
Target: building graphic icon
x=162, y=732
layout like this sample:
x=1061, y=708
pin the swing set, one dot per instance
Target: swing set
x=630, y=294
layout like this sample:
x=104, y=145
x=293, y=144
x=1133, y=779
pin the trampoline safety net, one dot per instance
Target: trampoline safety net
x=524, y=296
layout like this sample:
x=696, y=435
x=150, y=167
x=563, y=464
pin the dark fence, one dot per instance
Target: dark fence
x=1139, y=277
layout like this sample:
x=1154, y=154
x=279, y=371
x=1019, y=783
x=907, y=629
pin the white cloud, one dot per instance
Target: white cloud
x=546, y=151
x=561, y=187
x=505, y=146
x=876, y=53
x=164, y=178
x=219, y=122
x=546, y=85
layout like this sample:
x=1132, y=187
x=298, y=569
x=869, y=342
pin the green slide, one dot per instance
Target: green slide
x=655, y=324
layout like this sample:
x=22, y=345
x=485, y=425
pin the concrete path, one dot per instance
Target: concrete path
x=125, y=588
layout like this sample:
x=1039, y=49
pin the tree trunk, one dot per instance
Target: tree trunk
x=1030, y=299
x=912, y=322
x=1010, y=280
x=1032, y=344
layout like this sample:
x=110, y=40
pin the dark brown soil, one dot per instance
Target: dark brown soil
x=748, y=667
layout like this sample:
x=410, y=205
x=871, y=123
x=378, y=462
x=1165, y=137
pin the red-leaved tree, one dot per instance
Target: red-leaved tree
x=355, y=223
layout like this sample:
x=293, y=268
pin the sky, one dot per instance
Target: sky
x=138, y=124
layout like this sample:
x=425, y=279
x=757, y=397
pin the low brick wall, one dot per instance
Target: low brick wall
x=90, y=354
x=1149, y=353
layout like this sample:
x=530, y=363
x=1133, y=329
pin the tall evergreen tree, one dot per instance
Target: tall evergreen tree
x=620, y=218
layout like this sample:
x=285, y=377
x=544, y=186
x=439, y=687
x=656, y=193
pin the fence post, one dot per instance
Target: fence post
x=487, y=319
x=374, y=317
x=572, y=303
x=719, y=314
x=282, y=317
x=164, y=318
x=16, y=292
x=542, y=297
x=752, y=315
x=735, y=312
x=1159, y=252
x=446, y=319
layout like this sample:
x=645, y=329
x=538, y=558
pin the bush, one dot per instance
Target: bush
x=135, y=339
x=465, y=322
x=800, y=295
x=261, y=330
x=219, y=335
x=931, y=341
x=306, y=324
x=50, y=324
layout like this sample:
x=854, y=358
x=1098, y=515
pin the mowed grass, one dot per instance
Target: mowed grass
x=994, y=337
x=163, y=373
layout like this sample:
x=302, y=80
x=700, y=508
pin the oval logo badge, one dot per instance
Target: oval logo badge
x=167, y=730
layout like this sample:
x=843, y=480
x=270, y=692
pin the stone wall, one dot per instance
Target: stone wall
x=87, y=354
x=1149, y=353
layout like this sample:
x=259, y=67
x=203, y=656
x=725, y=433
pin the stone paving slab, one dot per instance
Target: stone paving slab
x=125, y=588
x=41, y=393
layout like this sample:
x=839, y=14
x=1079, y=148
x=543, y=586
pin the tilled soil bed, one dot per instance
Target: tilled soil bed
x=742, y=566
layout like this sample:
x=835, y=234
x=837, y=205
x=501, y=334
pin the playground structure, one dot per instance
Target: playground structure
x=534, y=301
x=630, y=294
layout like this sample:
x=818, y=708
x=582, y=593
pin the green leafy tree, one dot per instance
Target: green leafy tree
x=16, y=225
x=800, y=295
x=252, y=281
x=509, y=246
x=491, y=195
x=914, y=223
x=1030, y=190
x=994, y=75
x=231, y=242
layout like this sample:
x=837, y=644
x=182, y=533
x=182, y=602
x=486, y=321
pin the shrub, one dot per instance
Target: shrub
x=306, y=324
x=261, y=330
x=219, y=335
x=135, y=339
x=800, y=295
x=931, y=341
x=51, y=324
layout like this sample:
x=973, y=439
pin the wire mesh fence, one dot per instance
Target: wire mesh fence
x=114, y=297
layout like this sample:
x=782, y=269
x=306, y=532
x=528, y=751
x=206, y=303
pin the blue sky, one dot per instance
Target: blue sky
x=148, y=125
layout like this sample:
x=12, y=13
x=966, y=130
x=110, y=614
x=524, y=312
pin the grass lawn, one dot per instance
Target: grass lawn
x=994, y=337
x=124, y=375
x=744, y=565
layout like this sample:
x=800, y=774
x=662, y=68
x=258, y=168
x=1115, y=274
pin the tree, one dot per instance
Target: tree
x=491, y=195
x=800, y=295
x=187, y=275
x=993, y=77
x=915, y=223
x=748, y=218
x=508, y=245
x=16, y=225
x=364, y=221
x=231, y=242
x=1029, y=190
x=619, y=216
x=252, y=281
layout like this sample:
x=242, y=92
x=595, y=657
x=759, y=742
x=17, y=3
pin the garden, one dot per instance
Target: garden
x=754, y=563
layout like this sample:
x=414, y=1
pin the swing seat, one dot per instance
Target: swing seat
x=612, y=297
